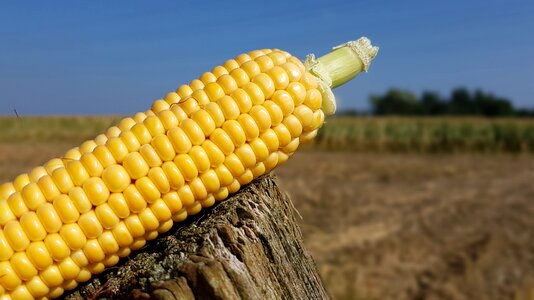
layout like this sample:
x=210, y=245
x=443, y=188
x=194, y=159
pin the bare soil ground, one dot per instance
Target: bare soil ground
x=393, y=226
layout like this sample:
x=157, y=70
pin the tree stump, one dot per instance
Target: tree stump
x=246, y=247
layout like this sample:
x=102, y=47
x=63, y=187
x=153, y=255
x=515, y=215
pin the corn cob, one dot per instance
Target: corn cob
x=74, y=216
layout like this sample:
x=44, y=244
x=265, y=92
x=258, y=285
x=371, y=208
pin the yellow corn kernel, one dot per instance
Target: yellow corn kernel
x=101, y=139
x=117, y=148
x=184, y=91
x=16, y=204
x=113, y=131
x=93, y=251
x=194, y=209
x=73, y=235
x=91, y=164
x=21, y=181
x=240, y=77
x=90, y=225
x=160, y=211
x=62, y=180
x=297, y=92
x=186, y=195
x=282, y=157
x=229, y=108
x=309, y=81
x=187, y=166
x=215, y=155
x=291, y=147
x=246, y=178
x=90, y=145
x=39, y=256
x=108, y=243
x=313, y=99
x=271, y=162
x=283, y=134
x=5, y=213
x=37, y=287
x=68, y=269
x=230, y=64
x=168, y=119
x=221, y=194
x=77, y=172
x=56, y=246
x=205, y=121
x=249, y=126
x=32, y=227
x=264, y=62
x=225, y=176
x=52, y=276
x=305, y=116
x=261, y=152
x=246, y=155
x=72, y=154
x=172, y=202
x=138, y=243
x=125, y=124
x=258, y=170
x=129, y=139
x=235, y=131
x=279, y=77
x=292, y=71
x=32, y=196
x=163, y=147
x=275, y=112
x=198, y=189
x=208, y=202
x=117, y=202
x=49, y=218
x=207, y=77
x=6, y=189
x=96, y=190
x=159, y=105
x=111, y=260
x=173, y=175
x=116, y=178
x=68, y=285
x=148, y=219
x=210, y=181
x=154, y=125
x=242, y=58
x=104, y=156
x=159, y=179
x=48, y=187
x=234, y=165
x=284, y=101
x=106, y=216
x=227, y=83
x=79, y=258
x=15, y=236
x=200, y=158
x=8, y=278
x=135, y=200
x=84, y=275
x=122, y=235
x=265, y=83
x=66, y=209
x=150, y=156
x=308, y=136
x=180, y=216
x=135, y=227
x=141, y=133
x=123, y=252
x=234, y=187
x=165, y=226
x=218, y=71
x=148, y=190
x=179, y=139
x=223, y=141
x=189, y=106
x=318, y=118
x=193, y=131
x=215, y=112
x=80, y=200
x=51, y=165
x=255, y=93
x=135, y=165
x=201, y=97
x=5, y=248
x=293, y=125
x=23, y=266
x=261, y=116
x=37, y=173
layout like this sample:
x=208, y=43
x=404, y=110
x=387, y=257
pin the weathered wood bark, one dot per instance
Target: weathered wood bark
x=246, y=247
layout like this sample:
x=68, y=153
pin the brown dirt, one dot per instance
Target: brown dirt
x=417, y=227
x=399, y=226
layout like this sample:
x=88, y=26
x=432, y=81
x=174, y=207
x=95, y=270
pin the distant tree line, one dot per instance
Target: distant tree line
x=460, y=103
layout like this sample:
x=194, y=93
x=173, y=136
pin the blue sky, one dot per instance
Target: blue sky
x=116, y=57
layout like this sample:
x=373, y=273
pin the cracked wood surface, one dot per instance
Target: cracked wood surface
x=246, y=247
